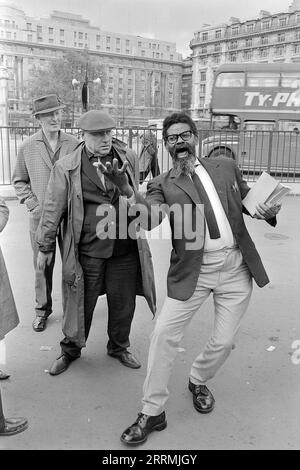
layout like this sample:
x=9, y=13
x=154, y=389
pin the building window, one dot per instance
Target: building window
x=127, y=51
x=8, y=35
x=39, y=29
x=143, y=53
x=171, y=57
x=264, y=40
x=118, y=49
x=297, y=36
x=234, y=30
x=266, y=24
x=279, y=51
x=250, y=28
x=282, y=21
x=50, y=31
x=297, y=49
x=110, y=70
x=108, y=48
x=139, y=44
x=62, y=42
x=29, y=26
x=85, y=36
x=202, y=88
x=248, y=55
x=233, y=45
x=98, y=37
x=107, y=39
x=29, y=37
x=204, y=36
x=204, y=49
x=61, y=32
x=98, y=47
x=218, y=34
x=75, y=43
x=120, y=71
x=264, y=52
x=127, y=42
x=168, y=48
x=80, y=35
x=249, y=42
x=217, y=47
x=232, y=57
x=203, y=76
x=281, y=37
x=118, y=41
x=217, y=59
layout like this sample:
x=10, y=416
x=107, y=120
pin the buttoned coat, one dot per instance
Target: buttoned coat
x=8, y=313
x=33, y=167
x=178, y=192
x=64, y=202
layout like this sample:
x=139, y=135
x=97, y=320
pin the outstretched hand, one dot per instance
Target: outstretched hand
x=116, y=175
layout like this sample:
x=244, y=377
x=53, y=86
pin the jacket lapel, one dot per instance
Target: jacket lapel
x=42, y=150
x=91, y=172
x=186, y=184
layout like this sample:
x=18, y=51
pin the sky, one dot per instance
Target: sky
x=168, y=20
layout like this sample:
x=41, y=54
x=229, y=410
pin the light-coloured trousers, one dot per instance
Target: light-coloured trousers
x=43, y=278
x=223, y=273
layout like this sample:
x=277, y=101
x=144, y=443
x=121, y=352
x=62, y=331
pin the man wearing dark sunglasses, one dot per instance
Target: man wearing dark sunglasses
x=216, y=256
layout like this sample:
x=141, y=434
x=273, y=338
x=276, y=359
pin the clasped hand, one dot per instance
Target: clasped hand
x=263, y=211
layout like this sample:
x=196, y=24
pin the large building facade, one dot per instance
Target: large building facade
x=143, y=76
x=268, y=38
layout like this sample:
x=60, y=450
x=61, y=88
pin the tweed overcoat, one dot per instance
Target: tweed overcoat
x=8, y=313
x=64, y=202
x=33, y=167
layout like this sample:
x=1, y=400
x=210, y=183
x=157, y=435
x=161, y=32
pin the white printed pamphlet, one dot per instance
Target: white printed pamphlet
x=266, y=190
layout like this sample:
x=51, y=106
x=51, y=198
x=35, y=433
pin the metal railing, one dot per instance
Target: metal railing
x=254, y=151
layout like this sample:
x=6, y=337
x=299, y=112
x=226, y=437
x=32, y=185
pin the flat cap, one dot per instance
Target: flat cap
x=94, y=121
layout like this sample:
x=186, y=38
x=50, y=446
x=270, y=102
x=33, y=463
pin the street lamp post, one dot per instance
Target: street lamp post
x=84, y=93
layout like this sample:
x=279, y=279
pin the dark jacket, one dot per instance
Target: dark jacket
x=173, y=190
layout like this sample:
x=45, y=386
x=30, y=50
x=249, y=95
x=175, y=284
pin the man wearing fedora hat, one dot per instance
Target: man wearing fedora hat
x=93, y=263
x=35, y=160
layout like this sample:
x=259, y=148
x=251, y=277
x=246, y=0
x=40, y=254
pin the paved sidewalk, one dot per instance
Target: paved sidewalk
x=257, y=391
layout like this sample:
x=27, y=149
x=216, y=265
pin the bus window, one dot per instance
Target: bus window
x=263, y=79
x=290, y=80
x=230, y=79
x=226, y=122
x=259, y=125
x=289, y=126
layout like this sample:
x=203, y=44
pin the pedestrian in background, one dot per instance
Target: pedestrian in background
x=212, y=253
x=35, y=160
x=9, y=319
x=148, y=161
x=120, y=267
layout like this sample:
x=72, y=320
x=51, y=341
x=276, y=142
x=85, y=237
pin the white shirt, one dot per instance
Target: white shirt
x=226, y=239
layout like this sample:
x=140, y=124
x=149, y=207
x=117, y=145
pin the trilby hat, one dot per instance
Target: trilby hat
x=46, y=104
x=95, y=120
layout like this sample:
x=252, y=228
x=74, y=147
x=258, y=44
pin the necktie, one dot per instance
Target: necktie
x=208, y=210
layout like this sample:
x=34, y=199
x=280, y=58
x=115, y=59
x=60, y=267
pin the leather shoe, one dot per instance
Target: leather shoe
x=60, y=365
x=138, y=432
x=3, y=375
x=39, y=323
x=203, y=399
x=13, y=426
x=127, y=359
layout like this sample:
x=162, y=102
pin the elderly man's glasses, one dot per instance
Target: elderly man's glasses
x=185, y=136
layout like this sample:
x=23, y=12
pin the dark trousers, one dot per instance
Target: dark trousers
x=117, y=276
x=2, y=418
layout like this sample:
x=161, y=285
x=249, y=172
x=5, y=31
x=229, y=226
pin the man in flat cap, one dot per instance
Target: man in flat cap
x=35, y=159
x=94, y=263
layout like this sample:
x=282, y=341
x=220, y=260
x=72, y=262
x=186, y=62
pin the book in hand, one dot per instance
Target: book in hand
x=266, y=190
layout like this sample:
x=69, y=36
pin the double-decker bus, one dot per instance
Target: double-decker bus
x=255, y=116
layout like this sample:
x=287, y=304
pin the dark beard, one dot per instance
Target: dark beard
x=185, y=166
